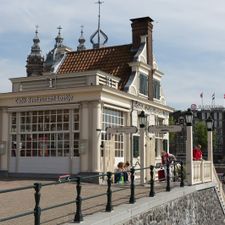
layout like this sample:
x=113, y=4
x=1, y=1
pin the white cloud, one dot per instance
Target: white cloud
x=188, y=38
x=7, y=71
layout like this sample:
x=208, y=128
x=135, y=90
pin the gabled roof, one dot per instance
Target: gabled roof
x=113, y=60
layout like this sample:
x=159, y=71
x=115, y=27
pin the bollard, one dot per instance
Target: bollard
x=152, y=192
x=174, y=171
x=109, y=207
x=78, y=216
x=132, y=187
x=181, y=174
x=37, y=209
x=168, y=176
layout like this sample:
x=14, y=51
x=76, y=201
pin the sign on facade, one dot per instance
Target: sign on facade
x=2, y=148
x=125, y=130
x=164, y=128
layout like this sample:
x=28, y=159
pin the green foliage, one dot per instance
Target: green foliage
x=172, y=136
x=200, y=134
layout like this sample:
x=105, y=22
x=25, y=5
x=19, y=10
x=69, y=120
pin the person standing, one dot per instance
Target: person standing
x=197, y=153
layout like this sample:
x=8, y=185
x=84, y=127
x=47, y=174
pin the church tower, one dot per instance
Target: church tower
x=35, y=60
x=81, y=40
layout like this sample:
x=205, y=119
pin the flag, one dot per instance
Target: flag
x=213, y=96
x=201, y=95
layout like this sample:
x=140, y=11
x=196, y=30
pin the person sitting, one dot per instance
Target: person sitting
x=197, y=153
x=121, y=174
x=126, y=171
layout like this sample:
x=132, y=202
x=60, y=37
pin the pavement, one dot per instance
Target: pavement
x=22, y=201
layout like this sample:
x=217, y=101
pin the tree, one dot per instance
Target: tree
x=200, y=134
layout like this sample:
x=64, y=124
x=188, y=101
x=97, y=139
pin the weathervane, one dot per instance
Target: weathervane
x=59, y=28
x=99, y=17
x=98, y=32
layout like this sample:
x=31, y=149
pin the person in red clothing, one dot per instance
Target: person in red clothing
x=197, y=153
x=167, y=157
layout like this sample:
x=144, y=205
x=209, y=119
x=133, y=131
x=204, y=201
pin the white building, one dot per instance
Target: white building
x=55, y=122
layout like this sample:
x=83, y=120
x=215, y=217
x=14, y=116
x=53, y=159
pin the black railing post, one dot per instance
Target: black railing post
x=78, y=216
x=152, y=192
x=109, y=193
x=37, y=209
x=181, y=174
x=132, y=187
x=174, y=171
x=168, y=176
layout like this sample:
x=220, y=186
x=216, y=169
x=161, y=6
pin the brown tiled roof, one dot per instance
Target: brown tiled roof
x=113, y=60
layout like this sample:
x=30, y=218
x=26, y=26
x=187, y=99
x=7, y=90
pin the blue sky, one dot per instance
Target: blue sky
x=188, y=39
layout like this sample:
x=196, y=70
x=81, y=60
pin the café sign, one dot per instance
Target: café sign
x=45, y=99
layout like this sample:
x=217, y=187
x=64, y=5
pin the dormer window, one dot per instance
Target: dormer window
x=143, y=85
x=156, y=89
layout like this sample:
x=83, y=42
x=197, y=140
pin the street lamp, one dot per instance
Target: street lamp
x=142, y=119
x=209, y=124
x=142, y=122
x=189, y=146
x=189, y=117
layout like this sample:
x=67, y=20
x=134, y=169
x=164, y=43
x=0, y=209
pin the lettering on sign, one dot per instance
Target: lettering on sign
x=54, y=98
x=125, y=130
x=164, y=128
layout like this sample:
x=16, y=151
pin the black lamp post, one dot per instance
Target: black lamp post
x=142, y=122
x=142, y=119
x=209, y=124
x=189, y=146
x=189, y=117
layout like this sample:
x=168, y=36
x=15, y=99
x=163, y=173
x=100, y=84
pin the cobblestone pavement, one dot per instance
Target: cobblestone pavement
x=22, y=201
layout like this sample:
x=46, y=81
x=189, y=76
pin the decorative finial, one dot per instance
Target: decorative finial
x=36, y=31
x=59, y=28
x=81, y=40
x=98, y=32
x=82, y=27
x=59, y=38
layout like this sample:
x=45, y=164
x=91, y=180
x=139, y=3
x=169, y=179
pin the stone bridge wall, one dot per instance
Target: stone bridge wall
x=198, y=208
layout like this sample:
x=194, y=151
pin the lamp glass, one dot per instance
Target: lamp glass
x=189, y=117
x=209, y=124
x=142, y=119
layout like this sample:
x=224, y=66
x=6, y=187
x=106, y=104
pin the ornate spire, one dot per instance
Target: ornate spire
x=54, y=56
x=81, y=40
x=35, y=49
x=35, y=59
x=99, y=33
x=59, y=38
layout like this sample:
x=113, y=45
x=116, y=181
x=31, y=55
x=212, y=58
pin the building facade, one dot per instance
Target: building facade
x=177, y=144
x=54, y=121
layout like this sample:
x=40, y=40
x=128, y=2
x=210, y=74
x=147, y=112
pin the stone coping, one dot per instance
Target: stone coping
x=125, y=212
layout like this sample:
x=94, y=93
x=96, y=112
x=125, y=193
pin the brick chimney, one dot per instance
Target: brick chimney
x=144, y=26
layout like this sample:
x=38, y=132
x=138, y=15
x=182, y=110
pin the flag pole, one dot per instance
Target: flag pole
x=213, y=100
x=201, y=96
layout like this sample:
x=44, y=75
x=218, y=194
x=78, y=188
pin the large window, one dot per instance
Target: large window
x=76, y=133
x=156, y=89
x=143, y=88
x=113, y=118
x=44, y=133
